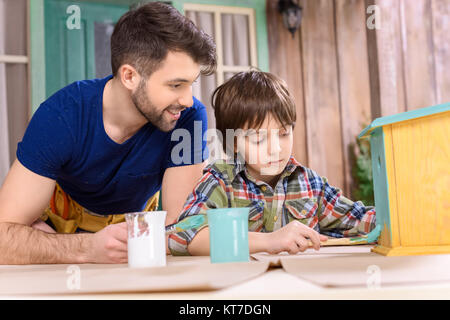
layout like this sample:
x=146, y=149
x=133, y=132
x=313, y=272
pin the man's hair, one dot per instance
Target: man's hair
x=247, y=99
x=143, y=36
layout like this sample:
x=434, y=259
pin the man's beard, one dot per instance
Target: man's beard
x=142, y=102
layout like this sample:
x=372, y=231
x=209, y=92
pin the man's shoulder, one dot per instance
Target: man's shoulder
x=75, y=103
x=83, y=92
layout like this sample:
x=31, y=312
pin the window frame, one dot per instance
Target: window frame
x=36, y=39
x=22, y=59
x=217, y=12
x=259, y=25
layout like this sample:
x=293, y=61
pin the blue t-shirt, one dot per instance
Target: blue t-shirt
x=66, y=141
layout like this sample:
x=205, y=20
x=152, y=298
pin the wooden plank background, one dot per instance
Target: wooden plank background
x=343, y=74
x=321, y=90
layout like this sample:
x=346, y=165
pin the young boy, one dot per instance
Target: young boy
x=289, y=203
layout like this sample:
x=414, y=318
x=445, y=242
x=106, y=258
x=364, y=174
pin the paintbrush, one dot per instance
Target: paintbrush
x=365, y=239
x=188, y=223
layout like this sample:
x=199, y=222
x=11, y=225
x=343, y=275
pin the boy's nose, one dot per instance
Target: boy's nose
x=274, y=147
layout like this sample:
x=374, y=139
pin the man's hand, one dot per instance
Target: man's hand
x=293, y=238
x=24, y=239
x=109, y=245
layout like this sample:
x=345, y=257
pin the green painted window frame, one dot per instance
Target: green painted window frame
x=37, y=53
x=37, y=39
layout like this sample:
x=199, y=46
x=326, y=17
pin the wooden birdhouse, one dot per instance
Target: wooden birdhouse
x=411, y=176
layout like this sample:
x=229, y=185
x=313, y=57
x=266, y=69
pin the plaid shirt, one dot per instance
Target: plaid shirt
x=300, y=194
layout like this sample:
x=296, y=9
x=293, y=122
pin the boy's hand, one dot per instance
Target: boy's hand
x=293, y=238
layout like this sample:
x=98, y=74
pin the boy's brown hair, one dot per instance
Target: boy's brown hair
x=247, y=99
x=143, y=36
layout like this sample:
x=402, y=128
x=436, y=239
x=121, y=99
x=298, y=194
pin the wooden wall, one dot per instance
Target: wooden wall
x=343, y=74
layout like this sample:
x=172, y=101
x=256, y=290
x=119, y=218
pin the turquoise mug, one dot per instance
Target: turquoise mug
x=228, y=235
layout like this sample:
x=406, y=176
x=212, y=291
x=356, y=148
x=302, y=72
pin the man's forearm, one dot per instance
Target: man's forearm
x=21, y=244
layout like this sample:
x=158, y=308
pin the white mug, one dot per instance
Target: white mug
x=146, y=239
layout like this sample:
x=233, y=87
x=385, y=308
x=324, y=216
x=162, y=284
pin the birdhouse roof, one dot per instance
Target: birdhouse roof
x=404, y=116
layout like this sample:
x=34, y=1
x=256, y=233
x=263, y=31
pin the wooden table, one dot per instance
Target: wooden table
x=275, y=283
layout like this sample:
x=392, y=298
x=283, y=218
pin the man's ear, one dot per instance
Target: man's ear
x=129, y=77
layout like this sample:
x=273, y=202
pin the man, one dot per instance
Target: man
x=100, y=148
